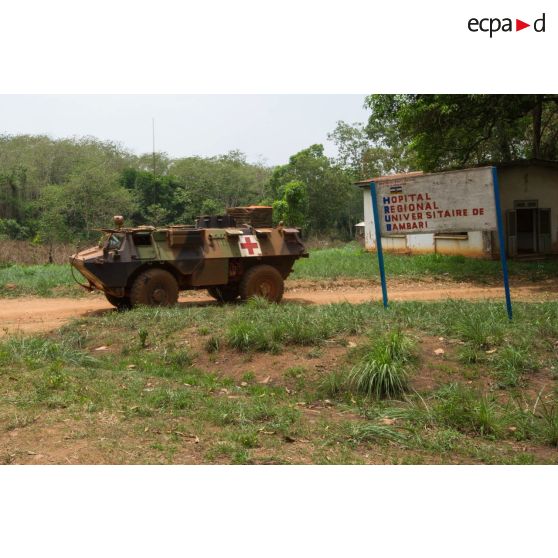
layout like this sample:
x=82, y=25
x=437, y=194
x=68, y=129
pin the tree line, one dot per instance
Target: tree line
x=62, y=190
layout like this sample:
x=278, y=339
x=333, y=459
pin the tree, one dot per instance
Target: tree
x=12, y=192
x=229, y=180
x=11, y=229
x=156, y=200
x=358, y=154
x=89, y=200
x=330, y=192
x=52, y=226
x=292, y=208
x=445, y=131
x=156, y=163
x=30, y=164
x=211, y=207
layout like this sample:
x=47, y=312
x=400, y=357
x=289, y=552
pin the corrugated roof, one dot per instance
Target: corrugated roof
x=390, y=177
x=403, y=175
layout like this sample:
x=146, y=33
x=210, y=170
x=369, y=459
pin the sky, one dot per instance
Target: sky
x=267, y=128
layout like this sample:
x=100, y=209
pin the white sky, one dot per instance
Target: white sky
x=265, y=127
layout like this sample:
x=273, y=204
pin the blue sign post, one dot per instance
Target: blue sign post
x=500, y=230
x=379, y=251
x=501, y=240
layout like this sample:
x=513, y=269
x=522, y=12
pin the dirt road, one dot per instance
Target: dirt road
x=44, y=314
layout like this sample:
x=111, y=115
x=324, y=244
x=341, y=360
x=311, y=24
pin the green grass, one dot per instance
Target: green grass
x=549, y=419
x=39, y=280
x=383, y=369
x=267, y=328
x=513, y=363
x=43, y=375
x=461, y=420
x=351, y=261
x=165, y=400
x=273, y=327
x=466, y=411
x=36, y=351
x=369, y=432
x=348, y=262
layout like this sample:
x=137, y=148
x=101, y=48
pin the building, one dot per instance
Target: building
x=529, y=200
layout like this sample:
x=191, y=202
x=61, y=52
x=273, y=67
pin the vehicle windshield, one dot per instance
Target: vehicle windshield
x=114, y=241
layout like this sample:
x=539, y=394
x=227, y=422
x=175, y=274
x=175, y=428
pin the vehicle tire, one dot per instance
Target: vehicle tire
x=224, y=293
x=264, y=281
x=154, y=287
x=121, y=302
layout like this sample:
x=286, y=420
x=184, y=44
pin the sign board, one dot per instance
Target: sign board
x=451, y=201
x=443, y=202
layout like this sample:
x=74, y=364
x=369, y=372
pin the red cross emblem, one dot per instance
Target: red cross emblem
x=249, y=246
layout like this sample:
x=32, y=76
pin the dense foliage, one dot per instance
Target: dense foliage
x=435, y=132
x=62, y=190
x=330, y=202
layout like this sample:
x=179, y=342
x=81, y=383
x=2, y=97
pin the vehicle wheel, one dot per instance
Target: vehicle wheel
x=264, y=281
x=225, y=293
x=154, y=287
x=121, y=302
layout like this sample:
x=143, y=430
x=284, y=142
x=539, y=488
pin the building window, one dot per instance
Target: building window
x=525, y=204
x=452, y=236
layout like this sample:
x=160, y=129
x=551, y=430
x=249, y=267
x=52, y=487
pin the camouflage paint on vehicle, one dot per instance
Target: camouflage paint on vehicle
x=197, y=257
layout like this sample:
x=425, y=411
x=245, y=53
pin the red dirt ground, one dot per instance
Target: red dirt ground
x=31, y=314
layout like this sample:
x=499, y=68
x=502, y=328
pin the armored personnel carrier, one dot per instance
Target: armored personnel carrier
x=237, y=255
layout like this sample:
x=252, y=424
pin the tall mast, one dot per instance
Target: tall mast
x=153, y=130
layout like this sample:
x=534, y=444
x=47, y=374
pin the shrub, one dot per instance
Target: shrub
x=383, y=370
x=177, y=358
x=213, y=344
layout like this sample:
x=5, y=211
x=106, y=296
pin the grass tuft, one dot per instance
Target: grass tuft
x=512, y=363
x=548, y=431
x=368, y=432
x=466, y=410
x=37, y=350
x=383, y=370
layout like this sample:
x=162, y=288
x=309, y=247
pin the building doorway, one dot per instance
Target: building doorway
x=528, y=229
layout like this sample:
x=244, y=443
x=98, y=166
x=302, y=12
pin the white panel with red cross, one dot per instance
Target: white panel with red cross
x=249, y=245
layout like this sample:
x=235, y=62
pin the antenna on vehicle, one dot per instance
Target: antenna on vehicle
x=153, y=129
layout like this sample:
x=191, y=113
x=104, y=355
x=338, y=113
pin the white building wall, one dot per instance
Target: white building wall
x=532, y=182
x=476, y=244
x=421, y=243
